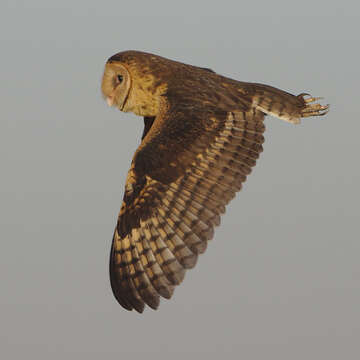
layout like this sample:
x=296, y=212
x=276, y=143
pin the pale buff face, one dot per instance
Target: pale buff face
x=116, y=84
x=128, y=89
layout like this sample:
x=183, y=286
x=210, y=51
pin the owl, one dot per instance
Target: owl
x=203, y=134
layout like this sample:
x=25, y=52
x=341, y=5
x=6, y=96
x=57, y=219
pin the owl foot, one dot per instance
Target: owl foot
x=312, y=109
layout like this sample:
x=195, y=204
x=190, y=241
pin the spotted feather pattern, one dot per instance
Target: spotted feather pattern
x=153, y=256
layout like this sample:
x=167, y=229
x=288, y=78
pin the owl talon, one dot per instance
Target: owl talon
x=312, y=99
x=315, y=110
x=312, y=109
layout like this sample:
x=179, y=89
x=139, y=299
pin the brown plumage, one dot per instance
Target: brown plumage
x=203, y=134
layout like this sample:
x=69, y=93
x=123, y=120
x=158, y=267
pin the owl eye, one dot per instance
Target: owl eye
x=120, y=78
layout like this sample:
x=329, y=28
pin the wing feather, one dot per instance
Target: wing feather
x=154, y=271
x=177, y=246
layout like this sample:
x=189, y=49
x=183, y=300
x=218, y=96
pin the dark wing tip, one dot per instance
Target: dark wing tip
x=117, y=293
x=126, y=302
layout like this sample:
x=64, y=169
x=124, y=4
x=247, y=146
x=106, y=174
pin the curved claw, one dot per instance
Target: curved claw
x=311, y=109
x=315, y=110
x=302, y=95
x=310, y=98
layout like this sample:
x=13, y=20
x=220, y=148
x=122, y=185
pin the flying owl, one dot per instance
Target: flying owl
x=203, y=134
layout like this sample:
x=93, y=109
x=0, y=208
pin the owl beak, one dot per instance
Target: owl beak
x=110, y=100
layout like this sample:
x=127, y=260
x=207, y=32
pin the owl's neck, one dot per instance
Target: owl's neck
x=145, y=97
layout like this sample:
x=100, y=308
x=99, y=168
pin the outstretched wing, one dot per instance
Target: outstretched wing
x=193, y=158
x=189, y=166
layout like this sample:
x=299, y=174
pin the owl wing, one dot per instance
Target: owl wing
x=191, y=162
x=188, y=167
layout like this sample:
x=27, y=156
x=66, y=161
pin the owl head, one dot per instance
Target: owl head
x=116, y=84
x=135, y=81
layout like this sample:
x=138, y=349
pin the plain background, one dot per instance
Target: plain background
x=281, y=278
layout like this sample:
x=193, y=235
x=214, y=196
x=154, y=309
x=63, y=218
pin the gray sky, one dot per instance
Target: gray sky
x=281, y=278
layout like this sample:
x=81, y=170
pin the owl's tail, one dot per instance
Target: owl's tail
x=283, y=105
